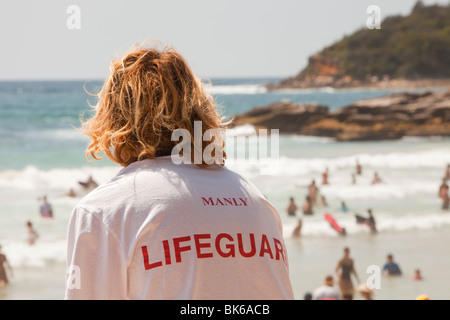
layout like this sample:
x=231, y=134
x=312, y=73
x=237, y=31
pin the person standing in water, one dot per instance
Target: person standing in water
x=32, y=235
x=344, y=270
x=292, y=211
x=4, y=267
x=307, y=207
x=358, y=168
x=443, y=188
x=371, y=222
x=327, y=291
x=391, y=268
x=312, y=192
x=89, y=184
x=325, y=177
x=45, y=208
x=376, y=179
x=291, y=208
x=445, y=201
x=343, y=207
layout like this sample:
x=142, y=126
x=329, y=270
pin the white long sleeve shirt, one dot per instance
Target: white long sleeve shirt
x=159, y=230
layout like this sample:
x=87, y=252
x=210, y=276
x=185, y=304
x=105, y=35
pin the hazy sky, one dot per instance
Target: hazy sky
x=228, y=38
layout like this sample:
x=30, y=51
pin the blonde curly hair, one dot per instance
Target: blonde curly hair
x=148, y=94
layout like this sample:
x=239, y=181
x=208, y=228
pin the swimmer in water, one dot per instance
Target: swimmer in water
x=32, y=235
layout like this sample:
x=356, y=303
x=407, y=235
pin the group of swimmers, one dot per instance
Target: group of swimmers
x=46, y=212
x=345, y=289
x=312, y=199
x=46, y=209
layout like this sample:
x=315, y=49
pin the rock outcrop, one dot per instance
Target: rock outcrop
x=390, y=117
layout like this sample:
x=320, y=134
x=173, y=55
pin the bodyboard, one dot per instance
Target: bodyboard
x=333, y=223
x=361, y=219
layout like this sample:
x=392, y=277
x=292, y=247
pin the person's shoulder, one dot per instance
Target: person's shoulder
x=122, y=186
x=232, y=174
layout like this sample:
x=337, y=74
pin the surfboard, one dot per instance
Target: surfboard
x=361, y=219
x=333, y=223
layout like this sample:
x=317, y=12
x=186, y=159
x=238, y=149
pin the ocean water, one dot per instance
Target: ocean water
x=42, y=153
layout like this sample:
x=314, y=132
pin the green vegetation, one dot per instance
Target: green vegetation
x=412, y=47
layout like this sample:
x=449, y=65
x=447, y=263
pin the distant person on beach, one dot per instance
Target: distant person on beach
x=32, y=235
x=344, y=270
x=353, y=178
x=169, y=225
x=312, y=192
x=334, y=224
x=325, y=177
x=307, y=207
x=45, y=209
x=376, y=178
x=417, y=275
x=71, y=193
x=391, y=268
x=4, y=267
x=443, y=188
x=298, y=228
x=444, y=194
x=343, y=207
x=371, y=221
x=323, y=201
x=358, y=168
x=90, y=183
x=292, y=211
x=291, y=208
x=343, y=232
x=447, y=172
x=445, y=201
x=327, y=291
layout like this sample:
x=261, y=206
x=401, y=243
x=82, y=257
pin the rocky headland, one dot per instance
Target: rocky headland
x=407, y=51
